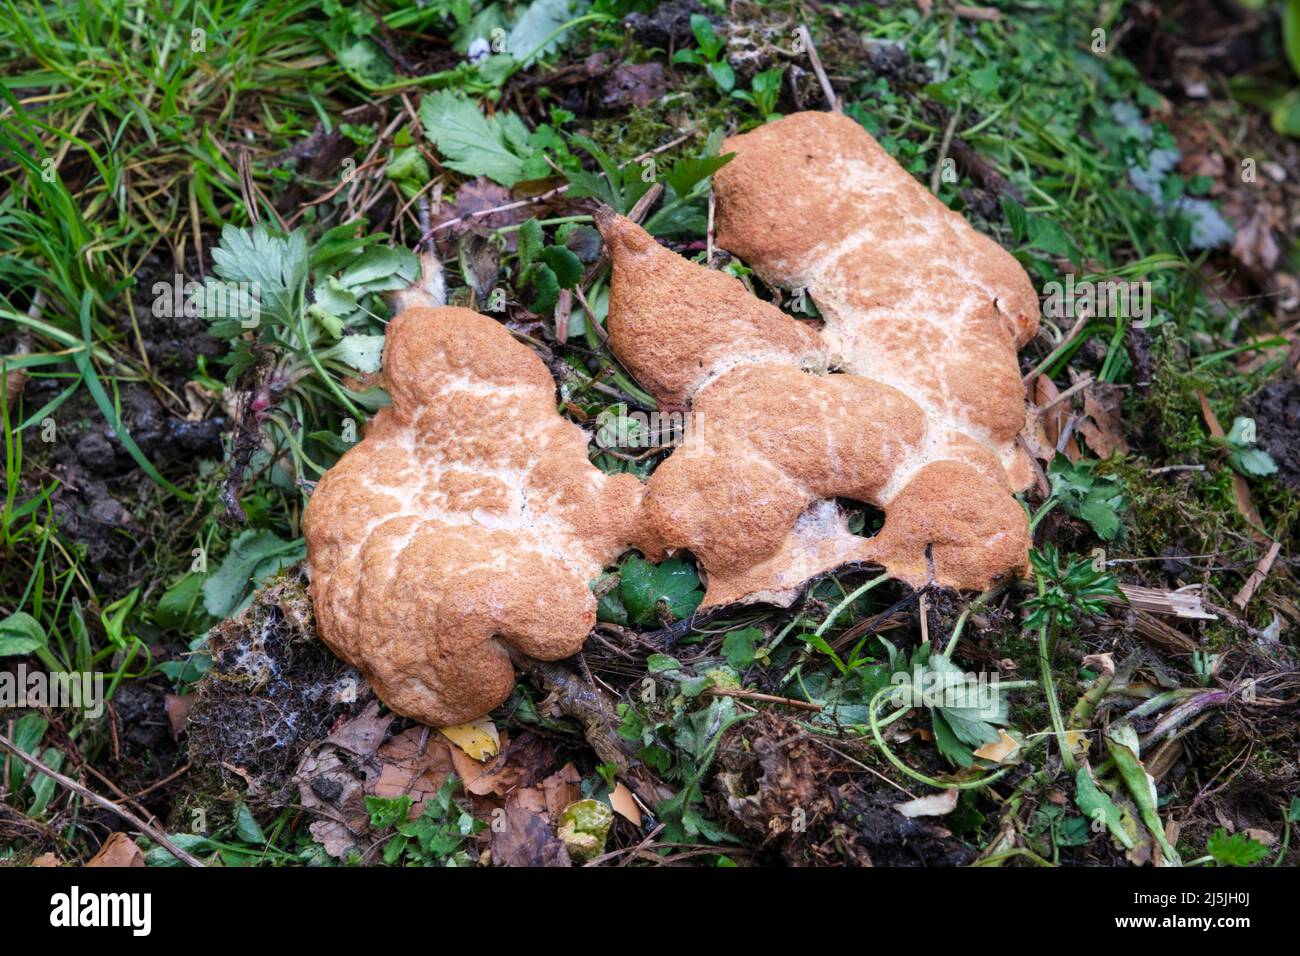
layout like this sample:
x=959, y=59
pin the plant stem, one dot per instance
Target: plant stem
x=1049, y=688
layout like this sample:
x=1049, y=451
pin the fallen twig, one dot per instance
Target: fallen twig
x=1257, y=576
x=827, y=90
x=766, y=698
x=155, y=835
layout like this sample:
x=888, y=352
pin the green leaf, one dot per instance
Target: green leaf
x=254, y=556
x=365, y=62
x=20, y=635
x=566, y=266
x=1122, y=742
x=547, y=286
x=194, y=843
x=26, y=736
x=672, y=585
x=1016, y=217
x=705, y=35
x=1242, y=434
x=275, y=264
x=381, y=269
x=1253, y=461
x=723, y=75
x=1084, y=494
x=738, y=647
x=178, y=604
x=537, y=25
x=1291, y=33
x=43, y=786
x=1235, y=850
x=953, y=749
x=388, y=811
x=529, y=243
x=409, y=169
x=1096, y=804
x=361, y=352
x=1285, y=114
x=332, y=305
x=1047, y=236
x=470, y=142
x=683, y=176
x=246, y=827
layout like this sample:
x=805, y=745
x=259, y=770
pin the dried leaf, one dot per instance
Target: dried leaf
x=479, y=738
x=625, y=804
x=1000, y=749
x=119, y=850
x=935, y=805
x=524, y=839
x=561, y=789
x=1103, y=429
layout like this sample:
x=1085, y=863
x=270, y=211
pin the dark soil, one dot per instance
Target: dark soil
x=1276, y=410
x=273, y=689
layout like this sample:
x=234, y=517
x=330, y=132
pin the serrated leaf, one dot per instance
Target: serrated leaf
x=361, y=352
x=566, y=266
x=1254, y=462
x=276, y=265
x=674, y=584
x=537, y=25
x=685, y=174
x=1235, y=850
x=469, y=142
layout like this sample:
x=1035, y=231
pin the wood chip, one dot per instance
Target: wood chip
x=1181, y=603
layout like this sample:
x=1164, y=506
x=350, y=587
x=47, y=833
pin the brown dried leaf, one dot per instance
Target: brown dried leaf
x=1103, y=429
x=414, y=763
x=625, y=804
x=561, y=789
x=524, y=839
x=119, y=850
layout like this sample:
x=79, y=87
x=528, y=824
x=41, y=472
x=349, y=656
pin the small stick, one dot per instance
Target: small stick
x=1068, y=393
x=158, y=837
x=1052, y=355
x=818, y=69
x=1257, y=576
x=708, y=235
x=557, y=191
x=766, y=698
x=937, y=176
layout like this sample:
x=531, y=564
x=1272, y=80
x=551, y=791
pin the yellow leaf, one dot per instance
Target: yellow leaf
x=478, y=738
x=1000, y=749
